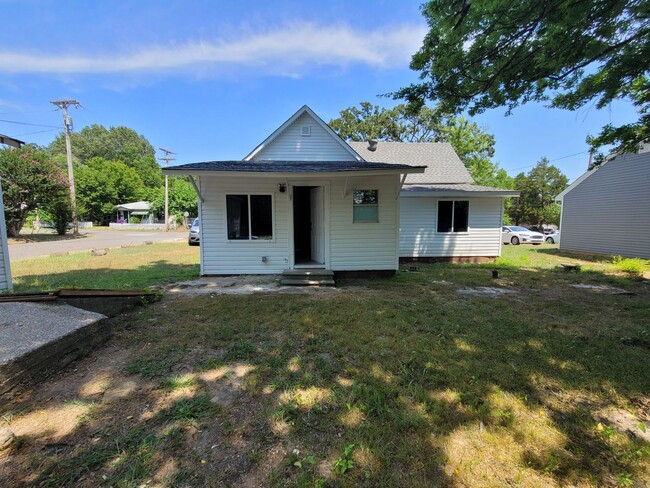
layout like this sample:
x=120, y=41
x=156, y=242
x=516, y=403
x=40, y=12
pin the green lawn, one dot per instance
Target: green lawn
x=394, y=382
x=127, y=268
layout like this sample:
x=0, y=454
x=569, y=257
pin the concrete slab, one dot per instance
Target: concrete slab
x=38, y=338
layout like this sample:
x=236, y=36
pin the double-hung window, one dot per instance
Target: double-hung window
x=365, y=206
x=453, y=215
x=250, y=217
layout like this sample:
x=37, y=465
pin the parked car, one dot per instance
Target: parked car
x=194, y=239
x=553, y=237
x=515, y=235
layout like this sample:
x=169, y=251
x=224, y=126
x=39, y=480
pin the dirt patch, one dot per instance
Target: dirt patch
x=242, y=285
x=606, y=289
x=486, y=291
x=625, y=422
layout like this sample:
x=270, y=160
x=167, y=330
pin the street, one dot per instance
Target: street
x=93, y=239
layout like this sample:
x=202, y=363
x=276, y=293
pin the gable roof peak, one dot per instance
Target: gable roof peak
x=302, y=110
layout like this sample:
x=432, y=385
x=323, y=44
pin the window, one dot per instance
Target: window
x=453, y=216
x=250, y=217
x=365, y=206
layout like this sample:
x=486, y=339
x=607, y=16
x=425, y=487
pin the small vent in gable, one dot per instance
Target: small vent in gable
x=305, y=130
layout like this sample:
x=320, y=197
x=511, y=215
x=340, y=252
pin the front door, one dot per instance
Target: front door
x=316, y=211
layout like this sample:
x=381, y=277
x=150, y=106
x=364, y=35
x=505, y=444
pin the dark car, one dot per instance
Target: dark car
x=194, y=239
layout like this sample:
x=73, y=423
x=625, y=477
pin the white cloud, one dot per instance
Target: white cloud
x=292, y=48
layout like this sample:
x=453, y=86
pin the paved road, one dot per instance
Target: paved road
x=92, y=239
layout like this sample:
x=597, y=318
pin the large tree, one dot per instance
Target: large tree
x=474, y=146
x=481, y=55
x=538, y=189
x=119, y=144
x=182, y=198
x=30, y=180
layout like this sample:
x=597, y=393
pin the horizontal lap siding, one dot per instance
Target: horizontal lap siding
x=290, y=145
x=221, y=256
x=418, y=236
x=609, y=212
x=4, y=281
x=368, y=245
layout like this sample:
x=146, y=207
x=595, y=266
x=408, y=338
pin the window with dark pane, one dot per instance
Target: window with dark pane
x=365, y=206
x=453, y=216
x=261, y=217
x=249, y=217
x=237, y=209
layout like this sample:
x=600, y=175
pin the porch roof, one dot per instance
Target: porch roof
x=456, y=190
x=303, y=168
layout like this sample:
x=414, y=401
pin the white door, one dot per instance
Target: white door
x=316, y=205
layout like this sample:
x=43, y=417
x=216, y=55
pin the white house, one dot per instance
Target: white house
x=607, y=209
x=443, y=214
x=306, y=199
x=140, y=210
x=5, y=269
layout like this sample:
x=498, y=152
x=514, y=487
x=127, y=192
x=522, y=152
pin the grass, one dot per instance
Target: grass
x=131, y=267
x=395, y=382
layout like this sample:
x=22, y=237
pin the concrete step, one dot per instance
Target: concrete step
x=308, y=272
x=306, y=282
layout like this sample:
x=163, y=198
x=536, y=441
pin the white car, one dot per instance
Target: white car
x=553, y=237
x=515, y=235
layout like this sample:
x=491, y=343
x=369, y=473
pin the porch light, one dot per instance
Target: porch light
x=282, y=187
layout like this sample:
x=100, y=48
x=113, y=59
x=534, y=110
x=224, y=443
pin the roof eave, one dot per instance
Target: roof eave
x=296, y=174
x=457, y=193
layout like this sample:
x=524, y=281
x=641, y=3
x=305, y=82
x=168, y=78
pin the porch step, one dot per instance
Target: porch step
x=307, y=277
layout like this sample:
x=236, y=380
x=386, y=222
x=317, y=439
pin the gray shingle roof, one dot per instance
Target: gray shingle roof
x=443, y=164
x=288, y=166
x=460, y=188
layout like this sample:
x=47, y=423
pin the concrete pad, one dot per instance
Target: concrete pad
x=38, y=338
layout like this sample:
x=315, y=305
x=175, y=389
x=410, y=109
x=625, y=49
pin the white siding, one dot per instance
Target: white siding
x=364, y=245
x=5, y=269
x=418, y=236
x=348, y=246
x=609, y=212
x=220, y=256
x=290, y=145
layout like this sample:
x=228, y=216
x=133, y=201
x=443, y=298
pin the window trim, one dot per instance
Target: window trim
x=361, y=205
x=453, y=211
x=248, y=195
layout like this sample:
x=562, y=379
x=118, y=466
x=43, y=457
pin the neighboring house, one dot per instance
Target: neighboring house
x=10, y=141
x=304, y=198
x=140, y=210
x=443, y=214
x=607, y=209
x=5, y=269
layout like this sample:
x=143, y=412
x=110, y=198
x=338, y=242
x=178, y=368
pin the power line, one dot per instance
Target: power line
x=36, y=132
x=550, y=161
x=27, y=123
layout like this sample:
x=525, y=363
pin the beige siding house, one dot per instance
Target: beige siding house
x=607, y=209
x=306, y=199
x=5, y=269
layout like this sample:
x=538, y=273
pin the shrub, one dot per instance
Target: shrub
x=631, y=266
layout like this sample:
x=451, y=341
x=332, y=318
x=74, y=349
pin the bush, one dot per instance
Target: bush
x=631, y=266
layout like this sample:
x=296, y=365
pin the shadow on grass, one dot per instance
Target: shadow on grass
x=430, y=388
x=158, y=272
x=30, y=238
x=593, y=258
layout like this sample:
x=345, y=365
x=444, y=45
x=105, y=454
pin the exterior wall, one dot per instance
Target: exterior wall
x=5, y=269
x=364, y=245
x=609, y=212
x=348, y=246
x=290, y=145
x=418, y=236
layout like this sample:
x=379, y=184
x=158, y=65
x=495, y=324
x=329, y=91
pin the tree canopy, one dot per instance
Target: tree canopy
x=538, y=189
x=482, y=55
x=474, y=146
x=30, y=180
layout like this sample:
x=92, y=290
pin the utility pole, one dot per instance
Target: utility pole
x=67, y=124
x=167, y=159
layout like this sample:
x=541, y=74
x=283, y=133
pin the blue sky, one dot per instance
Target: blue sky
x=211, y=79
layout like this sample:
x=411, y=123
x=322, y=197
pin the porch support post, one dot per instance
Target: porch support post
x=401, y=184
x=196, y=188
x=345, y=188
